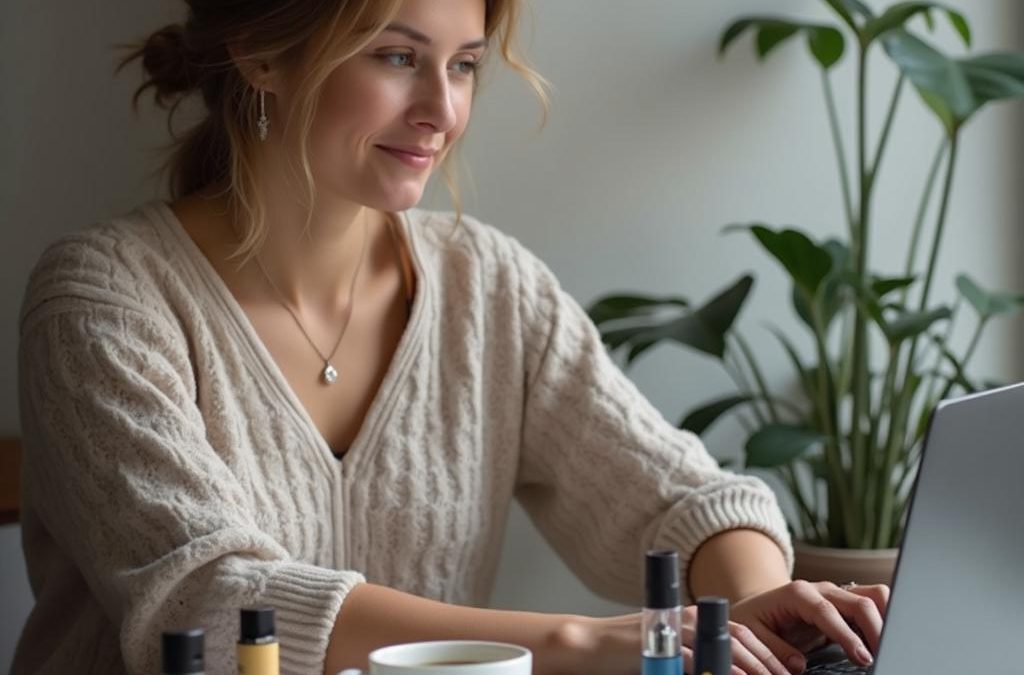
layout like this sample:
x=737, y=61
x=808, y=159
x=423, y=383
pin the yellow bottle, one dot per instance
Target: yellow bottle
x=257, y=647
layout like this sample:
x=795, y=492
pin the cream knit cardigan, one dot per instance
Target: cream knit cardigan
x=172, y=476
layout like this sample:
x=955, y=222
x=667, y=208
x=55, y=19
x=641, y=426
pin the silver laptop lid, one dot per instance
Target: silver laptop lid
x=958, y=596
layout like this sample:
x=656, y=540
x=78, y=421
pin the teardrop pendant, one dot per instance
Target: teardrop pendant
x=330, y=374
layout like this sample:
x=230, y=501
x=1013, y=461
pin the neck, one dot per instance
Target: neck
x=313, y=264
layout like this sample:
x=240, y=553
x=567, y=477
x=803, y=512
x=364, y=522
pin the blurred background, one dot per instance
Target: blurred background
x=652, y=146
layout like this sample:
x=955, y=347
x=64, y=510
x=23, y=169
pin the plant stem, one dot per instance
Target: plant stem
x=863, y=456
x=735, y=370
x=839, y=497
x=974, y=343
x=908, y=468
x=922, y=210
x=887, y=127
x=837, y=140
x=933, y=381
x=861, y=356
x=758, y=377
x=885, y=486
x=936, y=241
x=887, y=404
x=809, y=519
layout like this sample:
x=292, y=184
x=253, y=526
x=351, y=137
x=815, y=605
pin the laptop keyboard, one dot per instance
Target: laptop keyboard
x=840, y=668
x=831, y=660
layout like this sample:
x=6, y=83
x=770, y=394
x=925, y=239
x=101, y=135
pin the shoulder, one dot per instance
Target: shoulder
x=122, y=262
x=467, y=245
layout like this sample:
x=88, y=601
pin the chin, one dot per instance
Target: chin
x=400, y=200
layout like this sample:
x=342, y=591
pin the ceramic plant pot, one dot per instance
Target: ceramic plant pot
x=842, y=565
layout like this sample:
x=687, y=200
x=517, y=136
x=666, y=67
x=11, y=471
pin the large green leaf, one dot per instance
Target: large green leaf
x=704, y=329
x=832, y=295
x=905, y=325
x=826, y=43
x=988, y=303
x=848, y=9
x=939, y=80
x=701, y=418
x=955, y=89
x=808, y=264
x=719, y=313
x=899, y=14
x=912, y=324
x=994, y=77
x=623, y=307
x=776, y=445
x=883, y=286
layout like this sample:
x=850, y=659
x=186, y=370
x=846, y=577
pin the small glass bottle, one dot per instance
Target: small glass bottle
x=662, y=615
x=181, y=652
x=258, y=650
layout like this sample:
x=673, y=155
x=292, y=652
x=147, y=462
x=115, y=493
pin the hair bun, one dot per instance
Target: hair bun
x=166, y=60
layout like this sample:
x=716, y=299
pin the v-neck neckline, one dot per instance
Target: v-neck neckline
x=384, y=399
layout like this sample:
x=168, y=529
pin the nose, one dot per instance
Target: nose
x=434, y=106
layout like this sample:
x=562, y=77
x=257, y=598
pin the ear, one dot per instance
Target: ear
x=259, y=74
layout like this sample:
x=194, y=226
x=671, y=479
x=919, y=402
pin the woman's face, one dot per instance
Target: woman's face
x=387, y=116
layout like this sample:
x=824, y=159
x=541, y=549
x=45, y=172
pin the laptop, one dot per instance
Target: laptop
x=957, y=603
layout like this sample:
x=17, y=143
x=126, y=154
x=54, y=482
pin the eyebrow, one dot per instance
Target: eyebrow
x=414, y=34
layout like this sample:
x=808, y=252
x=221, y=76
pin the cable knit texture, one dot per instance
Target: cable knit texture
x=171, y=475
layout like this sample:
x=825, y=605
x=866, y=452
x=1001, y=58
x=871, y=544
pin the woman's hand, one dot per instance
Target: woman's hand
x=612, y=646
x=801, y=615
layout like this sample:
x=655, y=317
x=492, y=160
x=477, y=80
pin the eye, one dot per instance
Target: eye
x=466, y=67
x=397, y=59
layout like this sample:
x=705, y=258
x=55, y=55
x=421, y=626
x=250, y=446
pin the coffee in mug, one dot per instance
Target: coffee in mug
x=459, y=657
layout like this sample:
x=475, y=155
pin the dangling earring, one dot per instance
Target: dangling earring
x=262, y=124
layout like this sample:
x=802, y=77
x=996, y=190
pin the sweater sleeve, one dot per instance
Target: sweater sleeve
x=119, y=474
x=602, y=474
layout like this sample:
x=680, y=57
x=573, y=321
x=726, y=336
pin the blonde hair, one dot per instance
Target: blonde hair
x=311, y=36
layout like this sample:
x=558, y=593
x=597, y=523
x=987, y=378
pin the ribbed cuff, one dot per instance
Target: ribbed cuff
x=306, y=600
x=738, y=506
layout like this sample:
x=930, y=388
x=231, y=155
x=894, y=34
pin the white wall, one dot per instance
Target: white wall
x=652, y=146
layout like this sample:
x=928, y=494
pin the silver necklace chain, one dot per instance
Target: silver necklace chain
x=329, y=374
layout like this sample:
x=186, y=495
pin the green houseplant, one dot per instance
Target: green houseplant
x=847, y=446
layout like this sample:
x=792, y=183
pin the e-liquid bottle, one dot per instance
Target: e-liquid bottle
x=257, y=646
x=712, y=654
x=662, y=615
x=181, y=652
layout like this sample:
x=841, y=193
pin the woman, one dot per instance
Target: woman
x=288, y=387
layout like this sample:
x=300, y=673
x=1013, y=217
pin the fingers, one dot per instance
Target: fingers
x=878, y=594
x=861, y=609
x=784, y=652
x=815, y=608
x=751, y=655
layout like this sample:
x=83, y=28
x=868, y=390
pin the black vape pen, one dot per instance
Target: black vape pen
x=712, y=654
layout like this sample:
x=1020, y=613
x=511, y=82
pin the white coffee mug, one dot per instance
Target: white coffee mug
x=459, y=657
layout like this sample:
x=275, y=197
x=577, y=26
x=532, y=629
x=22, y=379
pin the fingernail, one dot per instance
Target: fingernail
x=796, y=664
x=864, y=655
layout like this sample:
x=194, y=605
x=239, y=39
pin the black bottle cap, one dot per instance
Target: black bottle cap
x=712, y=616
x=182, y=652
x=257, y=624
x=662, y=580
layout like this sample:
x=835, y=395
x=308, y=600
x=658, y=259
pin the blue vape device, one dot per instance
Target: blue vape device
x=662, y=615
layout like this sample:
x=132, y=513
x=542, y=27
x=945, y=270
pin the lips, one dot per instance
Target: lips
x=411, y=150
x=412, y=156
